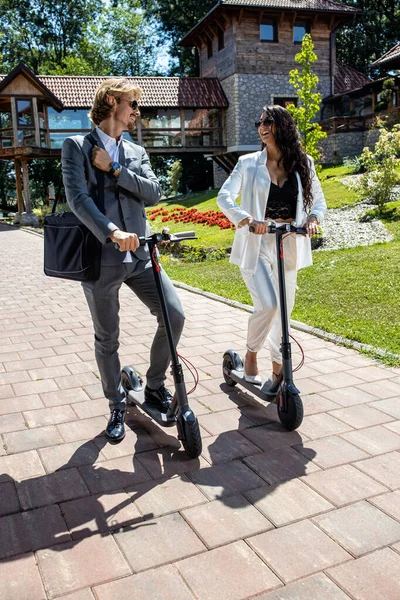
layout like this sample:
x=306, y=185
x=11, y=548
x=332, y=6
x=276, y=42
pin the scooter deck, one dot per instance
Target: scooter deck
x=136, y=398
x=263, y=391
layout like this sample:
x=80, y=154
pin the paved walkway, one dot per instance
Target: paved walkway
x=264, y=513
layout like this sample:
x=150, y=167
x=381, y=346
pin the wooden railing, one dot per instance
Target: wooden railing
x=354, y=123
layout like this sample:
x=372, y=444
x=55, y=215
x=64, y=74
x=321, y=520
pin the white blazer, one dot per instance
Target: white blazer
x=251, y=179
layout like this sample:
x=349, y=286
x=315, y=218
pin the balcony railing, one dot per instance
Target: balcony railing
x=354, y=123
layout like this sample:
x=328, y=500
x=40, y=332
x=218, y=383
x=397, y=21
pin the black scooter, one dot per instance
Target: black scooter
x=282, y=391
x=178, y=413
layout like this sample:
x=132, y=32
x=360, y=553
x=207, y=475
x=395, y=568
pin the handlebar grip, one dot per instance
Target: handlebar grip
x=251, y=229
x=184, y=235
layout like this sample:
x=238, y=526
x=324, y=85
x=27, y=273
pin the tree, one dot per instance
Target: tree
x=371, y=34
x=176, y=20
x=174, y=176
x=305, y=83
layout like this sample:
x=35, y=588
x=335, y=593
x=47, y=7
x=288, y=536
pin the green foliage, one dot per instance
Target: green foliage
x=370, y=34
x=174, y=176
x=381, y=167
x=305, y=83
x=176, y=20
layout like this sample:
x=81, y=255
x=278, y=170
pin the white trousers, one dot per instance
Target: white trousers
x=263, y=285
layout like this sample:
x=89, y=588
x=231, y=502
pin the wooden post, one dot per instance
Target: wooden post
x=46, y=125
x=25, y=177
x=14, y=117
x=18, y=185
x=36, y=121
x=183, y=136
x=373, y=100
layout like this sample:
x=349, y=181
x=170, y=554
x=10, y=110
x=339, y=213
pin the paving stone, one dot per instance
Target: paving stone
x=316, y=587
x=322, y=425
x=21, y=441
x=92, y=408
x=154, y=543
x=227, y=446
x=337, y=380
x=20, y=466
x=374, y=440
x=161, y=497
x=113, y=474
x=372, y=577
x=225, y=479
x=9, y=502
x=14, y=377
x=12, y=422
x=316, y=403
x=100, y=514
x=15, y=405
x=349, y=396
x=82, y=430
x=361, y=416
x=390, y=406
x=330, y=451
x=31, y=530
x=393, y=426
x=343, y=485
x=167, y=462
x=6, y=391
x=49, y=416
x=384, y=468
x=271, y=436
x=163, y=583
x=223, y=521
x=20, y=579
x=134, y=442
x=73, y=454
x=280, y=464
x=81, y=595
x=227, y=420
x=50, y=489
x=389, y=503
x=34, y=387
x=382, y=389
x=232, y=572
x=360, y=528
x=75, y=565
x=298, y=550
x=287, y=502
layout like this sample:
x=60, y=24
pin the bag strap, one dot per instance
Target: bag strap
x=99, y=179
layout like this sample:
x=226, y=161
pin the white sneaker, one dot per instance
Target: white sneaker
x=254, y=379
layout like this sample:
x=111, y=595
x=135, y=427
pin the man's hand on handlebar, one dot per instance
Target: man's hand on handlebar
x=126, y=241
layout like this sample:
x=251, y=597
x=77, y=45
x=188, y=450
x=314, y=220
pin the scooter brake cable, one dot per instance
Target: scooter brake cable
x=301, y=363
x=194, y=374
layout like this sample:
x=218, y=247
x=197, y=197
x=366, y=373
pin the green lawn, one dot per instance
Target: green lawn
x=352, y=292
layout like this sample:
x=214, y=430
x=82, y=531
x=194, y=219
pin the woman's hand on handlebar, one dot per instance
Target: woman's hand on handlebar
x=259, y=227
x=311, y=225
x=126, y=241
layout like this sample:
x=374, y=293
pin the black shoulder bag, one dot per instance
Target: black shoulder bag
x=71, y=250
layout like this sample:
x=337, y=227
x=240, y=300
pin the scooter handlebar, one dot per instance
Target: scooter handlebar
x=284, y=228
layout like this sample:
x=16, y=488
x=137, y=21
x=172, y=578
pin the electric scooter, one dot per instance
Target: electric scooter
x=282, y=391
x=178, y=412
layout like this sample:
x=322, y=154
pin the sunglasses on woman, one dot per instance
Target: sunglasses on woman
x=264, y=123
x=133, y=103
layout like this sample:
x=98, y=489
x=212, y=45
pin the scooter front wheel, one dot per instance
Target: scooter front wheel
x=231, y=362
x=189, y=434
x=292, y=417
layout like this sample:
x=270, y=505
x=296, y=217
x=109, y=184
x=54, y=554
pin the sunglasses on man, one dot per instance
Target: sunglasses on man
x=133, y=103
x=264, y=123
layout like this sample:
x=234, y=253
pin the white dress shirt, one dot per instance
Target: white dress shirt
x=112, y=147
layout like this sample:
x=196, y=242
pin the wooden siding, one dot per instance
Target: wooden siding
x=20, y=86
x=245, y=53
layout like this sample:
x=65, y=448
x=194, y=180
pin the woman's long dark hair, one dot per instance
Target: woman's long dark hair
x=293, y=157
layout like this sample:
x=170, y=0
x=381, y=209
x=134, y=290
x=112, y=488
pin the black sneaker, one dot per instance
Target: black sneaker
x=115, y=429
x=161, y=397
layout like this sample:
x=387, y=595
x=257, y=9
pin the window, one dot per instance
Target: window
x=299, y=30
x=209, y=48
x=285, y=101
x=221, y=40
x=268, y=31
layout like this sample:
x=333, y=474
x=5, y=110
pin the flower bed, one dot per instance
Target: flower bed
x=191, y=215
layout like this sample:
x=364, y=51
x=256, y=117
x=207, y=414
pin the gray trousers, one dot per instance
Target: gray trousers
x=103, y=300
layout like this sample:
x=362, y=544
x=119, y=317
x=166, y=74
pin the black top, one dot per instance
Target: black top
x=282, y=200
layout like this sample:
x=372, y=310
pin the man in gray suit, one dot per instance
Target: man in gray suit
x=129, y=186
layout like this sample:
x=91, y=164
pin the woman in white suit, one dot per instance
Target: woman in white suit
x=278, y=183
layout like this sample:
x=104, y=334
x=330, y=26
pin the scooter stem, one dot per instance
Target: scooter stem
x=287, y=367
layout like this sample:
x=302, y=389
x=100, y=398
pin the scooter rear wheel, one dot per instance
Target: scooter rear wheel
x=293, y=417
x=189, y=434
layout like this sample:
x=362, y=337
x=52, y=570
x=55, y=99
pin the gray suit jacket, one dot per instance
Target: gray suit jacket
x=125, y=198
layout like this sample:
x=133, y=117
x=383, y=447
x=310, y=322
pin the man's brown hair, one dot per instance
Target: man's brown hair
x=110, y=87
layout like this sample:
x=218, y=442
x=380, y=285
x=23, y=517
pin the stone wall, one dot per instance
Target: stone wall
x=337, y=146
x=220, y=176
x=247, y=94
